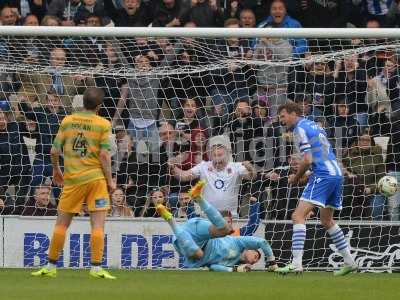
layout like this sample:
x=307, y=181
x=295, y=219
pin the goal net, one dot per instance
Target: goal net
x=171, y=101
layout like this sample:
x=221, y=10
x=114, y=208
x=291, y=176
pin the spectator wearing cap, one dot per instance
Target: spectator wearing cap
x=279, y=18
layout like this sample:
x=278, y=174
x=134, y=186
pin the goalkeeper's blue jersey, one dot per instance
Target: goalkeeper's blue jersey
x=310, y=137
x=226, y=251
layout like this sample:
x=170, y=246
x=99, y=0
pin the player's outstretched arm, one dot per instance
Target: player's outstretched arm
x=255, y=243
x=221, y=268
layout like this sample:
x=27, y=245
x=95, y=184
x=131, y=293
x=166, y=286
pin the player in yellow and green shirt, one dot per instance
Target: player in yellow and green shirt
x=83, y=140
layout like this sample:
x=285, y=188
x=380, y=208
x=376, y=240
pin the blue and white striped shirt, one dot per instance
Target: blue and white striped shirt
x=310, y=137
x=377, y=7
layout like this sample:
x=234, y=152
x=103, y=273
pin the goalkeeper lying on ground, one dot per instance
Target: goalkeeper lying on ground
x=197, y=241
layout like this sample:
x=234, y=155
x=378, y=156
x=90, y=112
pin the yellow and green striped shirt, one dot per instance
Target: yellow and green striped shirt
x=81, y=136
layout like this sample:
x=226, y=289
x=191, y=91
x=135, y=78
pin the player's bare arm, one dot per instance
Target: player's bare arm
x=55, y=161
x=303, y=168
x=105, y=159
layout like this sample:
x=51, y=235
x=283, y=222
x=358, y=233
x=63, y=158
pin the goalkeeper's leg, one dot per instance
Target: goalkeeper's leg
x=184, y=240
x=220, y=226
x=56, y=245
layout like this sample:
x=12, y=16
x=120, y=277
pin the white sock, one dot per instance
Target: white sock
x=341, y=244
x=298, y=239
x=96, y=268
x=51, y=266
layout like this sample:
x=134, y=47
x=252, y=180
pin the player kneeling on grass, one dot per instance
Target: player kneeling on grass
x=197, y=240
x=324, y=187
x=83, y=139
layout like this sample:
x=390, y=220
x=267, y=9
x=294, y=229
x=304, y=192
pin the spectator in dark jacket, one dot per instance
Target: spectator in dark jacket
x=351, y=83
x=345, y=126
x=134, y=13
x=171, y=13
x=244, y=129
x=65, y=10
x=206, y=13
x=87, y=8
x=48, y=119
x=7, y=205
x=37, y=8
x=15, y=166
x=39, y=204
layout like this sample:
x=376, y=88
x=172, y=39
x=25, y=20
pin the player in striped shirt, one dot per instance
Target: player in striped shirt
x=324, y=187
x=84, y=141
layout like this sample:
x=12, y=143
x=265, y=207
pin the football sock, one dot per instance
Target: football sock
x=298, y=239
x=341, y=244
x=56, y=244
x=97, y=246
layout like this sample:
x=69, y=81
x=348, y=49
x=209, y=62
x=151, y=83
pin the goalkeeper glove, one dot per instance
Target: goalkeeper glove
x=242, y=268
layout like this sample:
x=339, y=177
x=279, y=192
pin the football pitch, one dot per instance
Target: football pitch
x=174, y=285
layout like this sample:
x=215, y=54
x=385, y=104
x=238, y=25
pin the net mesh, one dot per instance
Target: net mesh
x=170, y=99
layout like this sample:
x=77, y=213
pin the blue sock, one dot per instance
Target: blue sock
x=212, y=214
x=298, y=239
x=185, y=241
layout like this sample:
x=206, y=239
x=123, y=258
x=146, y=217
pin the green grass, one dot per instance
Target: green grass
x=173, y=285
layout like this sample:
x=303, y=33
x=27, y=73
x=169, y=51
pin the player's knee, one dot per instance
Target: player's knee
x=297, y=218
x=198, y=254
x=327, y=222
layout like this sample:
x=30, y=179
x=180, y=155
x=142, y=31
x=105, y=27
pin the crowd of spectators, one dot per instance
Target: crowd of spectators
x=167, y=120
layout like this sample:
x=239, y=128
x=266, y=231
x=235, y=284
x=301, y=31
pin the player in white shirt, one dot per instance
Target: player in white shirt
x=221, y=176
